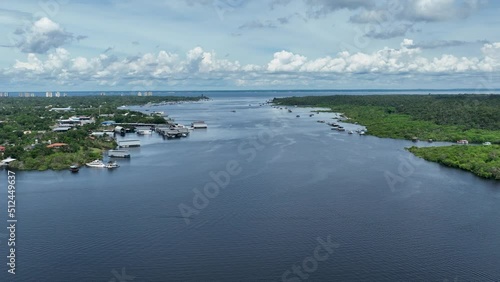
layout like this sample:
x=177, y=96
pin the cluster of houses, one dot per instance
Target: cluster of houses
x=64, y=125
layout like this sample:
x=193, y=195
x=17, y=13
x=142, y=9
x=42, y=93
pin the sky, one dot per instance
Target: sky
x=73, y=45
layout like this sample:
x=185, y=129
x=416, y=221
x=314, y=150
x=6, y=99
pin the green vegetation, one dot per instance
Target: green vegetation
x=481, y=160
x=475, y=118
x=26, y=127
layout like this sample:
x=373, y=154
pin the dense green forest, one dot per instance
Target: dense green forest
x=26, y=125
x=481, y=160
x=475, y=118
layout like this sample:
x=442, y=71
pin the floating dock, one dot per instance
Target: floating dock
x=199, y=125
x=119, y=153
x=128, y=143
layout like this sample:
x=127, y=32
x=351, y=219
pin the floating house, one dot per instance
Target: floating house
x=128, y=143
x=199, y=125
x=119, y=154
x=143, y=130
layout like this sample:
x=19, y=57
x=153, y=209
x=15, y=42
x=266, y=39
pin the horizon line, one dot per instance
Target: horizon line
x=264, y=90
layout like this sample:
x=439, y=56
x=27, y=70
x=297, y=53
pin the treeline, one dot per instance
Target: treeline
x=437, y=117
x=483, y=161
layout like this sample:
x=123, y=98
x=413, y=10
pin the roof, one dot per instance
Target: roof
x=61, y=129
x=56, y=145
x=2, y=148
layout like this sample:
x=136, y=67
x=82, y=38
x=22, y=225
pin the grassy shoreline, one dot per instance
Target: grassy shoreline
x=475, y=118
x=483, y=161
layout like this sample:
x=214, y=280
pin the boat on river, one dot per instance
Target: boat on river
x=112, y=164
x=74, y=168
x=96, y=163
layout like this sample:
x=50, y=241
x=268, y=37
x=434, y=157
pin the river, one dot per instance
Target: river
x=261, y=195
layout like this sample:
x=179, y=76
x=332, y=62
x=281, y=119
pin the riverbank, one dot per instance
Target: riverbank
x=483, y=161
x=54, y=133
x=475, y=118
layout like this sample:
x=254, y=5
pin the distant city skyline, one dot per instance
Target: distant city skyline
x=74, y=45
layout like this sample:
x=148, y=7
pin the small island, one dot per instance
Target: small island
x=465, y=118
x=43, y=133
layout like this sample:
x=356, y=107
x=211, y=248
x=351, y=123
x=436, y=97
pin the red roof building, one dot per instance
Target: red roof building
x=57, y=145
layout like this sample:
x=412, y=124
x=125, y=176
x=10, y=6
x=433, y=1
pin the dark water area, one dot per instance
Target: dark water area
x=265, y=196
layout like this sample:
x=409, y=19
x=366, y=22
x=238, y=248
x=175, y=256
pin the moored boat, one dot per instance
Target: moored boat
x=74, y=168
x=112, y=164
x=96, y=163
x=144, y=132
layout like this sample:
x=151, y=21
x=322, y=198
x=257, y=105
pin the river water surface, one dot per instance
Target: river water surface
x=293, y=183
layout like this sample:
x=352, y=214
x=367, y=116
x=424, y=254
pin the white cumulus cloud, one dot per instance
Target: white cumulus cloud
x=41, y=36
x=200, y=67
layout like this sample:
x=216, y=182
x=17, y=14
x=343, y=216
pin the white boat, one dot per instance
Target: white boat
x=7, y=161
x=144, y=132
x=112, y=165
x=350, y=132
x=96, y=163
x=158, y=113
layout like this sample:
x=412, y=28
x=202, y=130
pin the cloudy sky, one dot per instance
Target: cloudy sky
x=248, y=44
